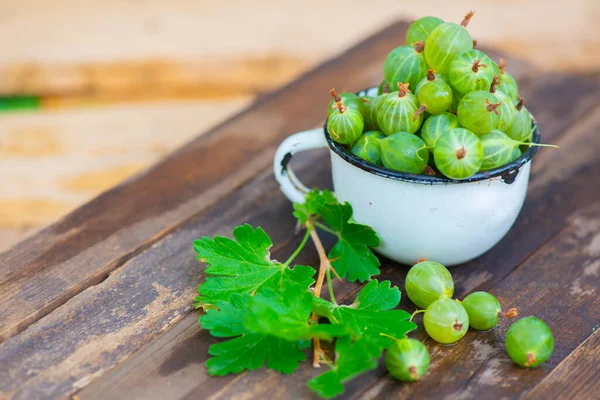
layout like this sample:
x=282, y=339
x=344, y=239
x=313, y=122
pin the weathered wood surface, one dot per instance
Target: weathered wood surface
x=547, y=265
x=46, y=270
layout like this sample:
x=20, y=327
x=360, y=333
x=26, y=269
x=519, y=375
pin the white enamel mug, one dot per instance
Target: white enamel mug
x=417, y=216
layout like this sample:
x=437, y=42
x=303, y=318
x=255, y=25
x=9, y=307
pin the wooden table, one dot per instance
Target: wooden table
x=98, y=305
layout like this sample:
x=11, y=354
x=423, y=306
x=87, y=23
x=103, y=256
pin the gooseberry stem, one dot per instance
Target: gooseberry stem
x=415, y=313
x=419, y=111
x=330, y=285
x=387, y=336
x=299, y=248
x=520, y=104
x=338, y=101
x=403, y=89
x=325, y=228
x=430, y=75
x=419, y=46
x=495, y=83
x=467, y=18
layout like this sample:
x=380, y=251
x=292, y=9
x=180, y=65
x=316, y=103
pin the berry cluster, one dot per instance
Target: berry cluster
x=451, y=110
x=529, y=341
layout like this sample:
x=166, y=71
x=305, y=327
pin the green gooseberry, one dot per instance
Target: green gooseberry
x=420, y=29
x=445, y=42
x=407, y=360
x=367, y=116
x=446, y=321
x=471, y=70
x=427, y=282
x=458, y=154
x=520, y=127
x=396, y=112
x=435, y=95
x=508, y=84
x=368, y=147
x=478, y=112
x=437, y=125
x=351, y=101
x=405, y=64
x=456, y=98
x=499, y=149
x=529, y=342
x=506, y=109
x=404, y=152
x=483, y=309
x=346, y=124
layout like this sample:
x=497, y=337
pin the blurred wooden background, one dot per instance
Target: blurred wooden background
x=117, y=84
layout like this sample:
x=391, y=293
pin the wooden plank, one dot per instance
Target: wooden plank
x=558, y=284
x=154, y=369
x=80, y=250
x=574, y=378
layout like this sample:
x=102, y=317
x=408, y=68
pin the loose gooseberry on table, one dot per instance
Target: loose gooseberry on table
x=407, y=360
x=428, y=281
x=529, y=342
x=484, y=310
x=446, y=321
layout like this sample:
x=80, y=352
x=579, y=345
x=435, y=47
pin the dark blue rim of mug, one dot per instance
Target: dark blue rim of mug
x=508, y=172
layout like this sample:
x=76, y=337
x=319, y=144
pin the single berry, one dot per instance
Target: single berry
x=520, y=127
x=434, y=95
x=506, y=109
x=405, y=64
x=346, y=124
x=458, y=154
x=478, y=112
x=350, y=100
x=483, y=309
x=445, y=42
x=404, y=152
x=427, y=282
x=420, y=29
x=499, y=149
x=529, y=342
x=368, y=147
x=437, y=125
x=407, y=360
x=446, y=321
x=470, y=71
x=396, y=112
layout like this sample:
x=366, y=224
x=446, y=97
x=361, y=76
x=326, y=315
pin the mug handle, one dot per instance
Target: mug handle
x=289, y=184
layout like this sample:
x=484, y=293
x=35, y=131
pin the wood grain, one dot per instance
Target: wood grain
x=80, y=250
x=151, y=369
x=574, y=378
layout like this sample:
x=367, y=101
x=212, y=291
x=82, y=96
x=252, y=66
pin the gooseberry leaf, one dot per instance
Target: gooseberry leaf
x=351, y=256
x=243, y=265
x=286, y=313
x=371, y=314
x=313, y=202
x=352, y=358
x=247, y=350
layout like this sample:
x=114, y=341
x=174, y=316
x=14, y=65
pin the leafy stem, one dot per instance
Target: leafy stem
x=415, y=313
x=300, y=246
x=324, y=263
x=331, y=294
x=326, y=228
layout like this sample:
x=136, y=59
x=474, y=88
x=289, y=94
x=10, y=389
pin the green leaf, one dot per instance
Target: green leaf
x=312, y=204
x=370, y=314
x=285, y=314
x=352, y=358
x=247, y=350
x=351, y=256
x=244, y=265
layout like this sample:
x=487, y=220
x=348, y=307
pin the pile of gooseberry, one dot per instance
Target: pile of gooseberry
x=444, y=107
x=429, y=285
